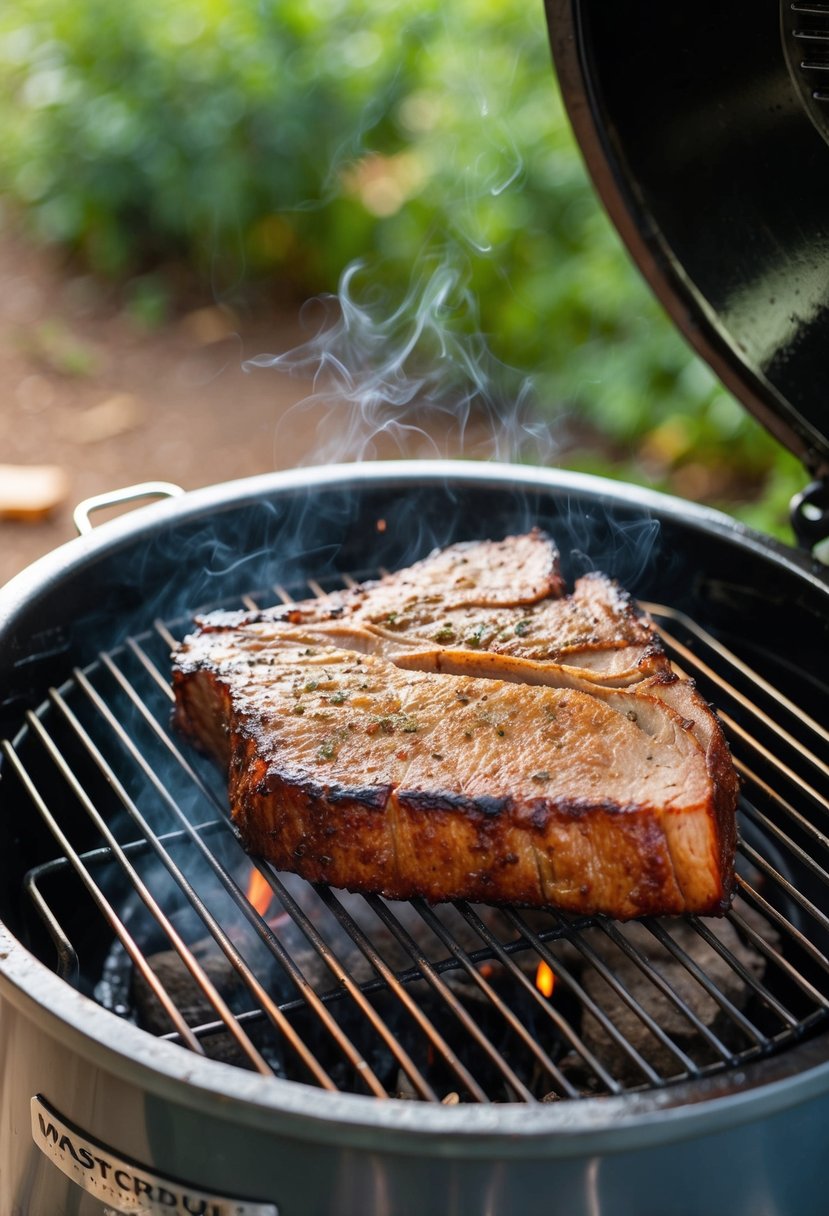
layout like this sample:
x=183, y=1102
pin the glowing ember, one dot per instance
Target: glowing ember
x=545, y=980
x=259, y=892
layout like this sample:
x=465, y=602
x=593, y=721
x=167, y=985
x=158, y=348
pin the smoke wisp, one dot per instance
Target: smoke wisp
x=414, y=378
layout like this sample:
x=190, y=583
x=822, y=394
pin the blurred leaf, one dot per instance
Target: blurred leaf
x=52, y=345
x=148, y=301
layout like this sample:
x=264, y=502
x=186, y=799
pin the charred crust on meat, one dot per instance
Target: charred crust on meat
x=427, y=801
x=375, y=798
x=316, y=793
x=219, y=621
x=665, y=678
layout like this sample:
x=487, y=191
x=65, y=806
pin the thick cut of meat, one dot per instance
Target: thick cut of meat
x=353, y=772
x=389, y=762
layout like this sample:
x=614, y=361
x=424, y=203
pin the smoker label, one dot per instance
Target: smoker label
x=121, y=1184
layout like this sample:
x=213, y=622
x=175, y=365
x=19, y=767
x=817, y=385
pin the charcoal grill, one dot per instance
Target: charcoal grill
x=167, y=1046
x=340, y=1051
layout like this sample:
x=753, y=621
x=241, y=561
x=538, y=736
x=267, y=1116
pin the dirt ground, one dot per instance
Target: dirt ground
x=106, y=402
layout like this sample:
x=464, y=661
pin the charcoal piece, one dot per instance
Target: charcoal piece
x=660, y=1007
x=404, y=1090
x=192, y=1002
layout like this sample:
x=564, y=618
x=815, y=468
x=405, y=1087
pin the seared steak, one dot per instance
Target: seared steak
x=499, y=765
x=468, y=610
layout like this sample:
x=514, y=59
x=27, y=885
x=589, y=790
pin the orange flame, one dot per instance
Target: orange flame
x=259, y=892
x=545, y=980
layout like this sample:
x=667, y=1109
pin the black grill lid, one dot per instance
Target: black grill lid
x=706, y=141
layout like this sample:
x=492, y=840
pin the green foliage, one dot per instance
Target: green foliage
x=52, y=345
x=282, y=140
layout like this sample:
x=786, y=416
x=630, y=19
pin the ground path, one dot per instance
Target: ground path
x=85, y=387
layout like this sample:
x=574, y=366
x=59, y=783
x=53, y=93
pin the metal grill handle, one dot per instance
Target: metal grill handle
x=98, y=502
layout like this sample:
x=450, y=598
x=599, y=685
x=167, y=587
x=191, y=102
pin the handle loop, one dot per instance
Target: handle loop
x=146, y=489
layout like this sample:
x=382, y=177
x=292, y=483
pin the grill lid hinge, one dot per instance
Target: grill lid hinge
x=810, y=518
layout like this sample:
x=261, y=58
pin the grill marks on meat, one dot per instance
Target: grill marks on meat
x=382, y=760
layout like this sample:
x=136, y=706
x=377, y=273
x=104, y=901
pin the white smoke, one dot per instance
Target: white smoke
x=413, y=378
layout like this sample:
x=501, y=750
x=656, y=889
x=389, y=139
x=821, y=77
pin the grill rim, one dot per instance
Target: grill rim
x=800, y=1073
x=109, y=537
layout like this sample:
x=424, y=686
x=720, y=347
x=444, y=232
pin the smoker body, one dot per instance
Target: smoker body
x=735, y=1153
x=746, y=1140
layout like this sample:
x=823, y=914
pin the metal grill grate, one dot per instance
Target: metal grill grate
x=146, y=900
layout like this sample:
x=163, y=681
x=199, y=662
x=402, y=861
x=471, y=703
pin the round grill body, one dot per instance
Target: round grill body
x=301, y=1147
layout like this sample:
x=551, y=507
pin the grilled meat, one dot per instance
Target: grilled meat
x=389, y=762
x=490, y=619
x=473, y=574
